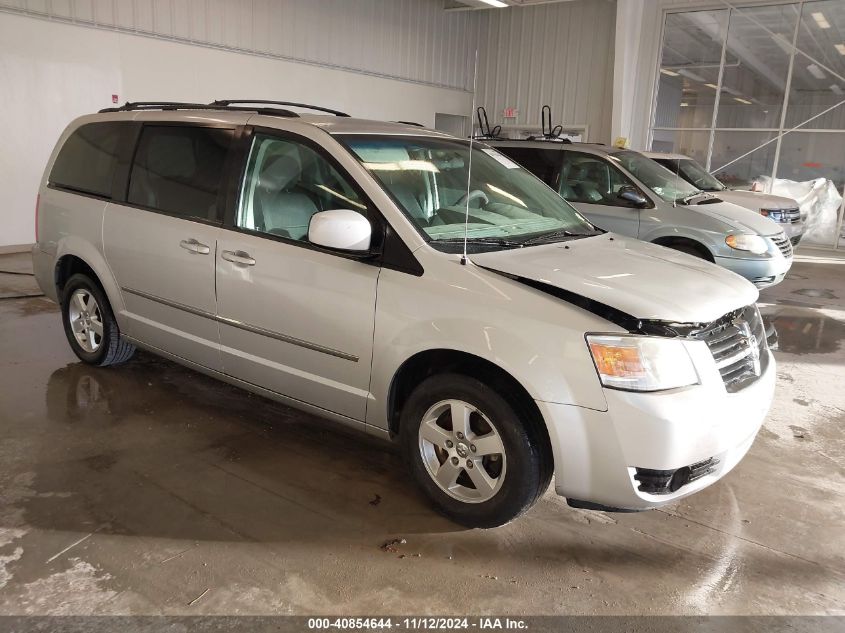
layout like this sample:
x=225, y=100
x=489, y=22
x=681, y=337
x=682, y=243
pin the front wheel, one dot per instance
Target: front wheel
x=475, y=458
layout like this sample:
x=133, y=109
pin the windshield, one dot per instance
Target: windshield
x=427, y=177
x=698, y=176
x=655, y=176
x=693, y=173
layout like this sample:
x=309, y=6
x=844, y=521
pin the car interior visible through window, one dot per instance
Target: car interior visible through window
x=285, y=184
x=428, y=178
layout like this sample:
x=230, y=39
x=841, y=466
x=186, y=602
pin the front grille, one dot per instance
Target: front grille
x=792, y=216
x=783, y=244
x=795, y=240
x=664, y=482
x=738, y=344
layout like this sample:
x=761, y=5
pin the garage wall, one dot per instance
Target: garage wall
x=558, y=54
x=53, y=70
x=413, y=40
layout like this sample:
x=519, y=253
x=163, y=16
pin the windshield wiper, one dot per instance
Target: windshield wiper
x=553, y=235
x=686, y=199
x=485, y=241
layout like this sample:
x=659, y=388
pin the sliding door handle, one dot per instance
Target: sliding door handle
x=194, y=246
x=238, y=257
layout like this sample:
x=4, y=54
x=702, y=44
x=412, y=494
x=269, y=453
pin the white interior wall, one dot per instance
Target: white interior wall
x=54, y=71
x=560, y=54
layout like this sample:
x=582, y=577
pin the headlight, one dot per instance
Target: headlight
x=772, y=214
x=641, y=363
x=751, y=243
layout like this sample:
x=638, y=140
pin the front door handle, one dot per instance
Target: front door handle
x=238, y=257
x=194, y=246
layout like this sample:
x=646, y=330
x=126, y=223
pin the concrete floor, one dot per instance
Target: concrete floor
x=151, y=489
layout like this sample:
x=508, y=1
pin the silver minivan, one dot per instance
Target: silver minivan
x=626, y=192
x=779, y=209
x=363, y=272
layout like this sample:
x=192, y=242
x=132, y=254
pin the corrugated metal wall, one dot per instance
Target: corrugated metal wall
x=413, y=40
x=556, y=54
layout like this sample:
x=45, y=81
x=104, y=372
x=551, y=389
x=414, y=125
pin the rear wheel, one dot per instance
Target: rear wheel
x=471, y=453
x=89, y=324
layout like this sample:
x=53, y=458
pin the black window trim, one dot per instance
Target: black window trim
x=228, y=165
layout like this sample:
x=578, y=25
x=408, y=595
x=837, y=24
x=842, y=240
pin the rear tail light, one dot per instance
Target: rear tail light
x=37, y=203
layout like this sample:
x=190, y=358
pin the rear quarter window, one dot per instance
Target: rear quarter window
x=88, y=159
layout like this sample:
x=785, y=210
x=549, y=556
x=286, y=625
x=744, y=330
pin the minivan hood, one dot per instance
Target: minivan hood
x=739, y=217
x=643, y=280
x=756, y=200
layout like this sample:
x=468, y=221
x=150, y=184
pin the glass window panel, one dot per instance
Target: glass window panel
x=686, y=142
x=742, y=173
x=286, y=183
x=179, y=170
x=814, y=89
x=756, y=66
x=88, y=159
x=811, y=170
x=692, y=50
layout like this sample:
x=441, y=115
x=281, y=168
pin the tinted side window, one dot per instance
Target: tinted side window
x=591, y=179
x=179, y=170
x=88, y=159
x=543, y=163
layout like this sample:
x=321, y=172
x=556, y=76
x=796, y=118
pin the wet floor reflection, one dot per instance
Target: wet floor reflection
x=178, y=443
x=805, y=331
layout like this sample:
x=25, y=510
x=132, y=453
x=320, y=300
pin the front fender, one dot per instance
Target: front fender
x=535, y=338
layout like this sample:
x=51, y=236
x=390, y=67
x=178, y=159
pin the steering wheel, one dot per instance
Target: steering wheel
x=472, y=195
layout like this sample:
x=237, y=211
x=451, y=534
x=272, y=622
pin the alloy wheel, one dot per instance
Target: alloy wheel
x=86, y=320
x=462, y=451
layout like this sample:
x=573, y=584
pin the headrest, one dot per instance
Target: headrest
x=279, y=173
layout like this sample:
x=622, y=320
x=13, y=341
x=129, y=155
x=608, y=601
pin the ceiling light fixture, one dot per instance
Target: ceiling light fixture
x=815, y=71
x=821, y=20
x=714, y=86
x=671, y=73
x=745, y=101
x=835, y=89
x=691, y=75
x=840, y=48
x=684, y=104
x=495, y=3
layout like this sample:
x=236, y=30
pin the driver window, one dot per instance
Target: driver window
x=285, y=184
x=590, y=179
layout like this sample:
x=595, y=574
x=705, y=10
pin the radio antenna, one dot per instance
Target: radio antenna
x=464, y=258
x=677, y=182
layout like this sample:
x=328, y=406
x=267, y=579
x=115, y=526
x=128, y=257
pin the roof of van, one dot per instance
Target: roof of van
x=330, y=123
x=593, y=147
x=665, y=155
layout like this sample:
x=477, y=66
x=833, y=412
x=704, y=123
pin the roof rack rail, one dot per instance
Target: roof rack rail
x=230, y=102
x=137, y=106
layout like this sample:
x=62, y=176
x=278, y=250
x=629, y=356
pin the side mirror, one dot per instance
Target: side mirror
x=342, y=229
x=632, y=196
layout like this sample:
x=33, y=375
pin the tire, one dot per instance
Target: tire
x=89, y=323
x=515, y=478
x=689, y=249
